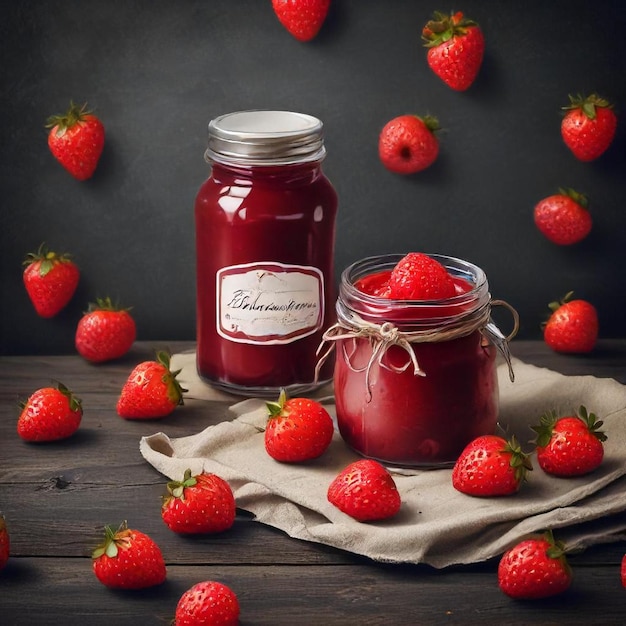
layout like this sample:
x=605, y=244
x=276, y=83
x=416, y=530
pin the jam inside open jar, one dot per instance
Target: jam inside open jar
x=415, y=380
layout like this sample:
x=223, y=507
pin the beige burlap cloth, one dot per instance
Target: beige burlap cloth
x=436, y=525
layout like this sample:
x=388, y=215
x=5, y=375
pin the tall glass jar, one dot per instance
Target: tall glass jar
x=265, y=233
x=415, y=381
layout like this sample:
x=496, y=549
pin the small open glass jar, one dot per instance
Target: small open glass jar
x=415, y=381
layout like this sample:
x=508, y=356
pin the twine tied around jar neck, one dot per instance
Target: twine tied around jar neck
x=350, y=325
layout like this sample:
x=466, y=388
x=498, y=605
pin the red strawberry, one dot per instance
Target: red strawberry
x=105, y=332
x=302, y=18
x=209, y=603
x=407, y=144
x=456, y=47
x=5, y=543
x=418, y=276
x=534, y=568
x=198, y=504
x=128, y=559
x=366, y=491
x=151, y=390
x=589, y=126
x=569, y=445
x=490, y=466
x=50, y=280
x=623, y=571
x=76, y=140
x=563, y=218
x=297, y=429
x=49, y=414
x=572, y=327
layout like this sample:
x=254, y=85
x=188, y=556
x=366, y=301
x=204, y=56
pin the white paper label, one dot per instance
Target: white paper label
x=269, y=303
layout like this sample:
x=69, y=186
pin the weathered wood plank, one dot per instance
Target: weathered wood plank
x=55, y=591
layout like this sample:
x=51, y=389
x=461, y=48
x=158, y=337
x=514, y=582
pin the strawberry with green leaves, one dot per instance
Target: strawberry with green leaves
x=151, y=390
x=105, y=332
x=76, y=139
x=407, y=144
x=564, y=217
x=208, y=602
x=571, y=445
x=366, y=491
x=302, y=18
x=49, y=414
x=491, y=466
x=418, y=276
x=198, y=504
x=297, y=429
x=456, y=47
x=589, y=126
x=50, y=280
x=5, y=543
x=535, y=568
x=572, y=326
x=128, y=559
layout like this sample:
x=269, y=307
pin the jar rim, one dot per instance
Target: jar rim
x=459, y=268
x=265, y=137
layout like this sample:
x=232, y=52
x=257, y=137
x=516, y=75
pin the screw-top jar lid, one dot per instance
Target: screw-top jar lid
x=265, y=138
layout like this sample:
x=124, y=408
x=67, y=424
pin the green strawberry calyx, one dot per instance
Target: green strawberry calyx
x=276, y=409
x=73, y=116
x=113, y=539
x=176, y=488
x=587, y=104
x=520, y=461
x=579, y=198
x=592, y=422
x=175, y=390
x=105, y=304
x=430, y=121
x=47, y=257
x=556, y=549
x=444, y=27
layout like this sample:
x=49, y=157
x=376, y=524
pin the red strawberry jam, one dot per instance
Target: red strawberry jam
x=415, y=381
x=265, y=228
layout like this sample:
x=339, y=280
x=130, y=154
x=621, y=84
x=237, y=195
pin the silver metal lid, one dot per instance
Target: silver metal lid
x=265, y=138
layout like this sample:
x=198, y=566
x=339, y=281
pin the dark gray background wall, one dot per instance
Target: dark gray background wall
x=157, y=71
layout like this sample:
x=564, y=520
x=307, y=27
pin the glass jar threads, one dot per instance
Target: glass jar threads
x=265, y=233
x=414, y=380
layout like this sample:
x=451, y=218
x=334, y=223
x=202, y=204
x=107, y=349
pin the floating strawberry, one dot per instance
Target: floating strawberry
x=490, y=466
x=151, y=390
x=456, y=47
x=589, y=126
x=302, y=18
x=366, y=491
x=128, y=559
x=418, y=276
x=49, y=414
x=76, y=140
x=50, y=280
x=298, y=429
x=570, y=445
x=564, y=217
x=105, y=332
x=407, y=144
x=5, y=543
x=572, y=327
x=198, y=504
x=535, y=568
x=208, y=602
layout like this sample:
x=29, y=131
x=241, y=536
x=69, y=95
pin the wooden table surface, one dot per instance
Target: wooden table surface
x=57, y=497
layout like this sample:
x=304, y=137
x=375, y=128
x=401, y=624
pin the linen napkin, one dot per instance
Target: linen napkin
x=436, y=524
